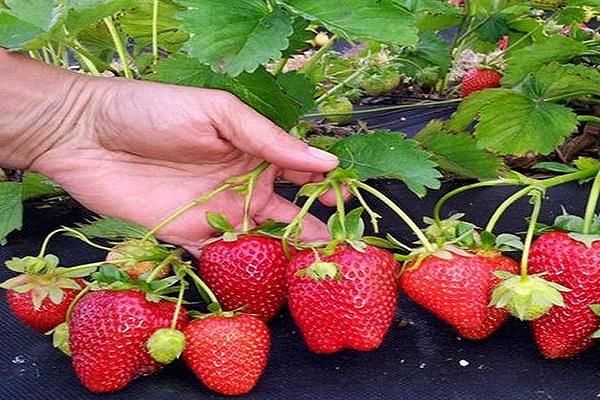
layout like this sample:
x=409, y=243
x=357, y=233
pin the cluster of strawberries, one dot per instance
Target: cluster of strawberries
x=124, y=322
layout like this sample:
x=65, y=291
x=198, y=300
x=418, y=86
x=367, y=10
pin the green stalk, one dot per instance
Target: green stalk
x=181, y=210
x=388, y=108
x=339, y=203
x=590, y=208
x=297, y=220
x=108, y=21
x=44, y=247
x=309, y=65
x=160, y=267
x=394, y=207
x=440, y=203
x=505, y=205
x=537, y=206
x=341, y=85
x=588, y=118
x=155, y=30
x=565, y=97
x=471, y=30
x=252, y=179
x=372, y=214
x=204, y=287
x=280, y=66
x=83, y=292
x=179, y=304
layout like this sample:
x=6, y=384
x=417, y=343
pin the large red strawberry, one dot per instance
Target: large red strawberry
x=478, y=79
x=42, y=293
x=346, y=300
x=109, y=331
x=457, y=289
x=246, y=271
x=228, y=352
x=566, y=331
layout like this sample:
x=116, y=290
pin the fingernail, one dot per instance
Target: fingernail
x=321, y=154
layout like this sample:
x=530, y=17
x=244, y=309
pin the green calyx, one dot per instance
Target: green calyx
x=166, y=345
x=229, y=234
x=60, y=338
x=526, y=297
x=380, y=83
x=337, y=109
x=135, y=251
x=321, y=270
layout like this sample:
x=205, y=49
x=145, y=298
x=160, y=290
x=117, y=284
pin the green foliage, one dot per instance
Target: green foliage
x=234, y=37
x=458, y=153
x=112, y=228
x=36, y=185
x=11, y=209
x=385, y=154
x=529, y=59
x=380, y=20
x=259, y=89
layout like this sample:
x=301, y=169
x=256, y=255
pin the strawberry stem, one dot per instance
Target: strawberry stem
x=47, y=240
x=590, y=208
x=199, y=200
x=372, y=214
x=251, y=178
x=504, y=206
x=310, y=64
x=440, y=203
x=204, y=287
x=75, y=301
x=182, y=288
x=536, y=196
x=85, y=239
x=356, y=74
x=160, y=267
x=339, y=203
x=108, y=21
x=155, y=31
x=394, y=207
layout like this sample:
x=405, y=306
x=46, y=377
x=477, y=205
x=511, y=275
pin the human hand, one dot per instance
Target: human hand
x=139, y=150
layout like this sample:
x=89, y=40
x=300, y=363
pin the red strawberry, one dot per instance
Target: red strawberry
x=458, y=291
x=246, y=272
x=565, y=331
x=47, y=316
x=479, y=79
x=42, y=293
x=343, y=301
x=228, y=353
x=108, y=335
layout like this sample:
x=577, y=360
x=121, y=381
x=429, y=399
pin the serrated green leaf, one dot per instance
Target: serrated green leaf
x=562, y=81
x=235, y=37
x=381, y=20
x=112, y=228
x=11, y=209
x=385, y=154
x=511, y=123
x=219, y=222
x=300, y=39
x=458, y=153
x=529, y=59
x=259, y=90
x=37, y=185
x=43, y=14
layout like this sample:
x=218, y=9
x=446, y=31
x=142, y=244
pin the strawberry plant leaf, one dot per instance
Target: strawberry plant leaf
x=300, y=39
x=43, y=14
x=84, y=13
x=458, y=153
x=36, y=185
x=219, y=222
x=381, y=20
x=14, y=32
x=532, y=126
x=234, y=37
x=385, y=154
x=555, y=81
x=11, y=209
x=259, y=90
x=300, y=88
x=532, y=58
x=112, y=228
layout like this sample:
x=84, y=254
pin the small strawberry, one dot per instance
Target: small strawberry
x=227, y=352
x=345, y=300
x=109, y=332
x=478, y=79
x=141, y=258
x=566, y=331
x=41, y=295
x=457, y=287
x=379, y=83
x=245, y=271
x=339, y=109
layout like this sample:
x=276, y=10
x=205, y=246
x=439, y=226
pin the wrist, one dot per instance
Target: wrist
x=42, y=108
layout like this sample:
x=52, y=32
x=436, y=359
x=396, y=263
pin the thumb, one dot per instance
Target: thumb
x=254, y=134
